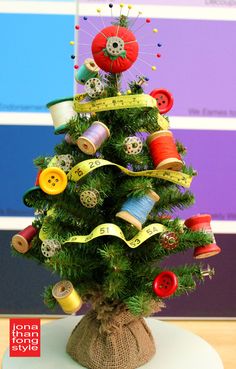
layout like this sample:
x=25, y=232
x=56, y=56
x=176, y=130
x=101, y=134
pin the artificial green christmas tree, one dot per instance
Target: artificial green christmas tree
x=105, y=205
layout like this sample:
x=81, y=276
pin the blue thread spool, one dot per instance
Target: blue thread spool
x=88, y=70
x=136, y=209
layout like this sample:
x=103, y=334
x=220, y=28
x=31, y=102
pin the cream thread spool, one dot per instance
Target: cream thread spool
x=168, y=161
x=62, y=111
x=67, y=297
x=88, y=70
x=93, y=138
x=136, y=209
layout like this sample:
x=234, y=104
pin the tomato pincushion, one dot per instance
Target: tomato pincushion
x=115, y=49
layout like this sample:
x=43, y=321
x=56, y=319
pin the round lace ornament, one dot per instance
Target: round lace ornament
x=133, y=145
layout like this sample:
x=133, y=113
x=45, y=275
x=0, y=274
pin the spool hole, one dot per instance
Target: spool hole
x=92, y=64
x=115, y=45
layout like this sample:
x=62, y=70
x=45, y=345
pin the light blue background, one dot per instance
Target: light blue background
x=35, y=66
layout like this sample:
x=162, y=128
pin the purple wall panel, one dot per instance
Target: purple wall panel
x=214, y=298
x=213, y=155
x=198, y=67
x=197, y=63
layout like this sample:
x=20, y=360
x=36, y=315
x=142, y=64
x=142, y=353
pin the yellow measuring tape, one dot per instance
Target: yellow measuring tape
x=114, y=103
x=110, y=229
x=162, y=122
x=83, y=168
x=119, y=102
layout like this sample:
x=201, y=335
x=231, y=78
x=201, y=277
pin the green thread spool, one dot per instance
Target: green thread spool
x=88, y=70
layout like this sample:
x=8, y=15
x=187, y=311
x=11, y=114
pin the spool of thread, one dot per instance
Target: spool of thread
x=93, y=138
x=22, y=240
x=68, y=139
x=136, y=209
x=67, y=297
x=62, y=111
x=201, y=222
x=37, y=178
x=163, y=151
x=88, y=70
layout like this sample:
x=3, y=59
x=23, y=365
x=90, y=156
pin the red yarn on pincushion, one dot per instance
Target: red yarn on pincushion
x=118, y=63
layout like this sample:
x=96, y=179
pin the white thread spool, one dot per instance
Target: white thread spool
x=62, y=111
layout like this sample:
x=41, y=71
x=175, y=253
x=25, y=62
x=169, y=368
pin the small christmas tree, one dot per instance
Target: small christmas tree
x=104, y=208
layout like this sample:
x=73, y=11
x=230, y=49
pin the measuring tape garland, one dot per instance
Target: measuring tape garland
x=114, y=103
x=83, y=168
x=162, y=122
x=119, y=102
x=110, y=229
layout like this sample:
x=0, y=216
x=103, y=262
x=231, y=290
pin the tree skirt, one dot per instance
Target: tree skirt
x=176, y=348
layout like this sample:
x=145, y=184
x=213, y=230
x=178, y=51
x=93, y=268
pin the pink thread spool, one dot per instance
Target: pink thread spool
x=93, y=138
x=22, y=240
x=201, y=222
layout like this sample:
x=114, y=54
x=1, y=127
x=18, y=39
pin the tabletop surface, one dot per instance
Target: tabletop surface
x=181, y=346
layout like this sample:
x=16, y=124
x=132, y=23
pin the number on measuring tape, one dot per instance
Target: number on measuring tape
x=104, y=230
x=135, y=243
x=152, y=230
x=79, y=172
x=94, y=164
x=149, y=231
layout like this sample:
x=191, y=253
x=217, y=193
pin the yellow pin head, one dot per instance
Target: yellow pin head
x=98, y=10
x=118, y=93
x=153, y=67
x=155, y=30
x=122, y=5
x=72, y=42
x=129, y=92
x=130, y=6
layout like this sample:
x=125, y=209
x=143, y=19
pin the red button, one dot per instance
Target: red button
x=165, y=284
x=164, y=100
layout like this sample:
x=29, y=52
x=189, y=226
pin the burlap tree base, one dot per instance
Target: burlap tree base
x=124, y=343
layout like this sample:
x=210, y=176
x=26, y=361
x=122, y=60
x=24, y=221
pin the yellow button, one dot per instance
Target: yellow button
x=53, y=180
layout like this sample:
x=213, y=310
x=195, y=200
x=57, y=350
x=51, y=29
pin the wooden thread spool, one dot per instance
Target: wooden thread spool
x=198, y=223
x=163, y=151
x=136, y=209
x=93, y=138
x=22, y=240
x=88, y=70
x=62, y=111
x=67, y=297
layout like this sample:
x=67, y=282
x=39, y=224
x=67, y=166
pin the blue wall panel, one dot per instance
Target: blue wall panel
x=19, y=146
x=36, y=66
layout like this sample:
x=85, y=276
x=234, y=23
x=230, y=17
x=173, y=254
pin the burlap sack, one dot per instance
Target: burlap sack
x=126, y=344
